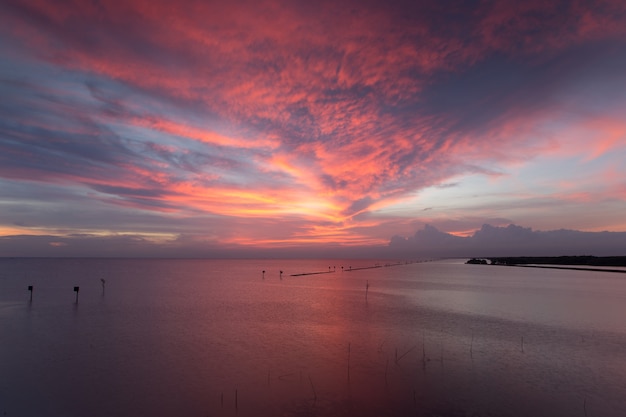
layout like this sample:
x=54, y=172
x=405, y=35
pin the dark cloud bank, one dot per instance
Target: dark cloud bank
x=429, y=242
x=512, y=240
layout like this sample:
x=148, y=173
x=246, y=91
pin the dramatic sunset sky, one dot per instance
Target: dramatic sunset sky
x=202, y=127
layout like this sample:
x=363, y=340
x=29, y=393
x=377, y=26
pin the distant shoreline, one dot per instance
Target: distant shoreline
x=575, y=268
x=581, y=263
x=585, y=260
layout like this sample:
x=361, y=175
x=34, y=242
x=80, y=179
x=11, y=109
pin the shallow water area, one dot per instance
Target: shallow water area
x=222, y=338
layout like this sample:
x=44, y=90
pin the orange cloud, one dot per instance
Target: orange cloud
x=323, y=114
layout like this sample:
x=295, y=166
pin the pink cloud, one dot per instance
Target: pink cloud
x=202, y=135
x=329, y=106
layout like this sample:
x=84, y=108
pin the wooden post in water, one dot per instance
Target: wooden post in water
x=102, y=281
x=263, y=275
x=76, y=289
x=281, y=274
x=30, y=288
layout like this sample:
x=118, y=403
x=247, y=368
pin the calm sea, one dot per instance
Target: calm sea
x=222, y=338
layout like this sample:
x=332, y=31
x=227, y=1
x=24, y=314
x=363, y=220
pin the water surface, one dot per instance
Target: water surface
x=220, y=338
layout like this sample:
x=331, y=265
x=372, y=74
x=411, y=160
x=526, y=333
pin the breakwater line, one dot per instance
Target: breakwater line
x=350, y=268
x=311, y=273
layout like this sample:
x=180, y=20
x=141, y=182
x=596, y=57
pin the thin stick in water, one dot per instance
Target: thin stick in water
x=380, y=347
x=386, y=368
x=348, y=362
x=423, y=352
x=313, y=388
x=404, y=354
x=442, y=354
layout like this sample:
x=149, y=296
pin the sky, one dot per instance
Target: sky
x=275, y=128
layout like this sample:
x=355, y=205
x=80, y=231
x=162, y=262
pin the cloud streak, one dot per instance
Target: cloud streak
x=276, y=122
